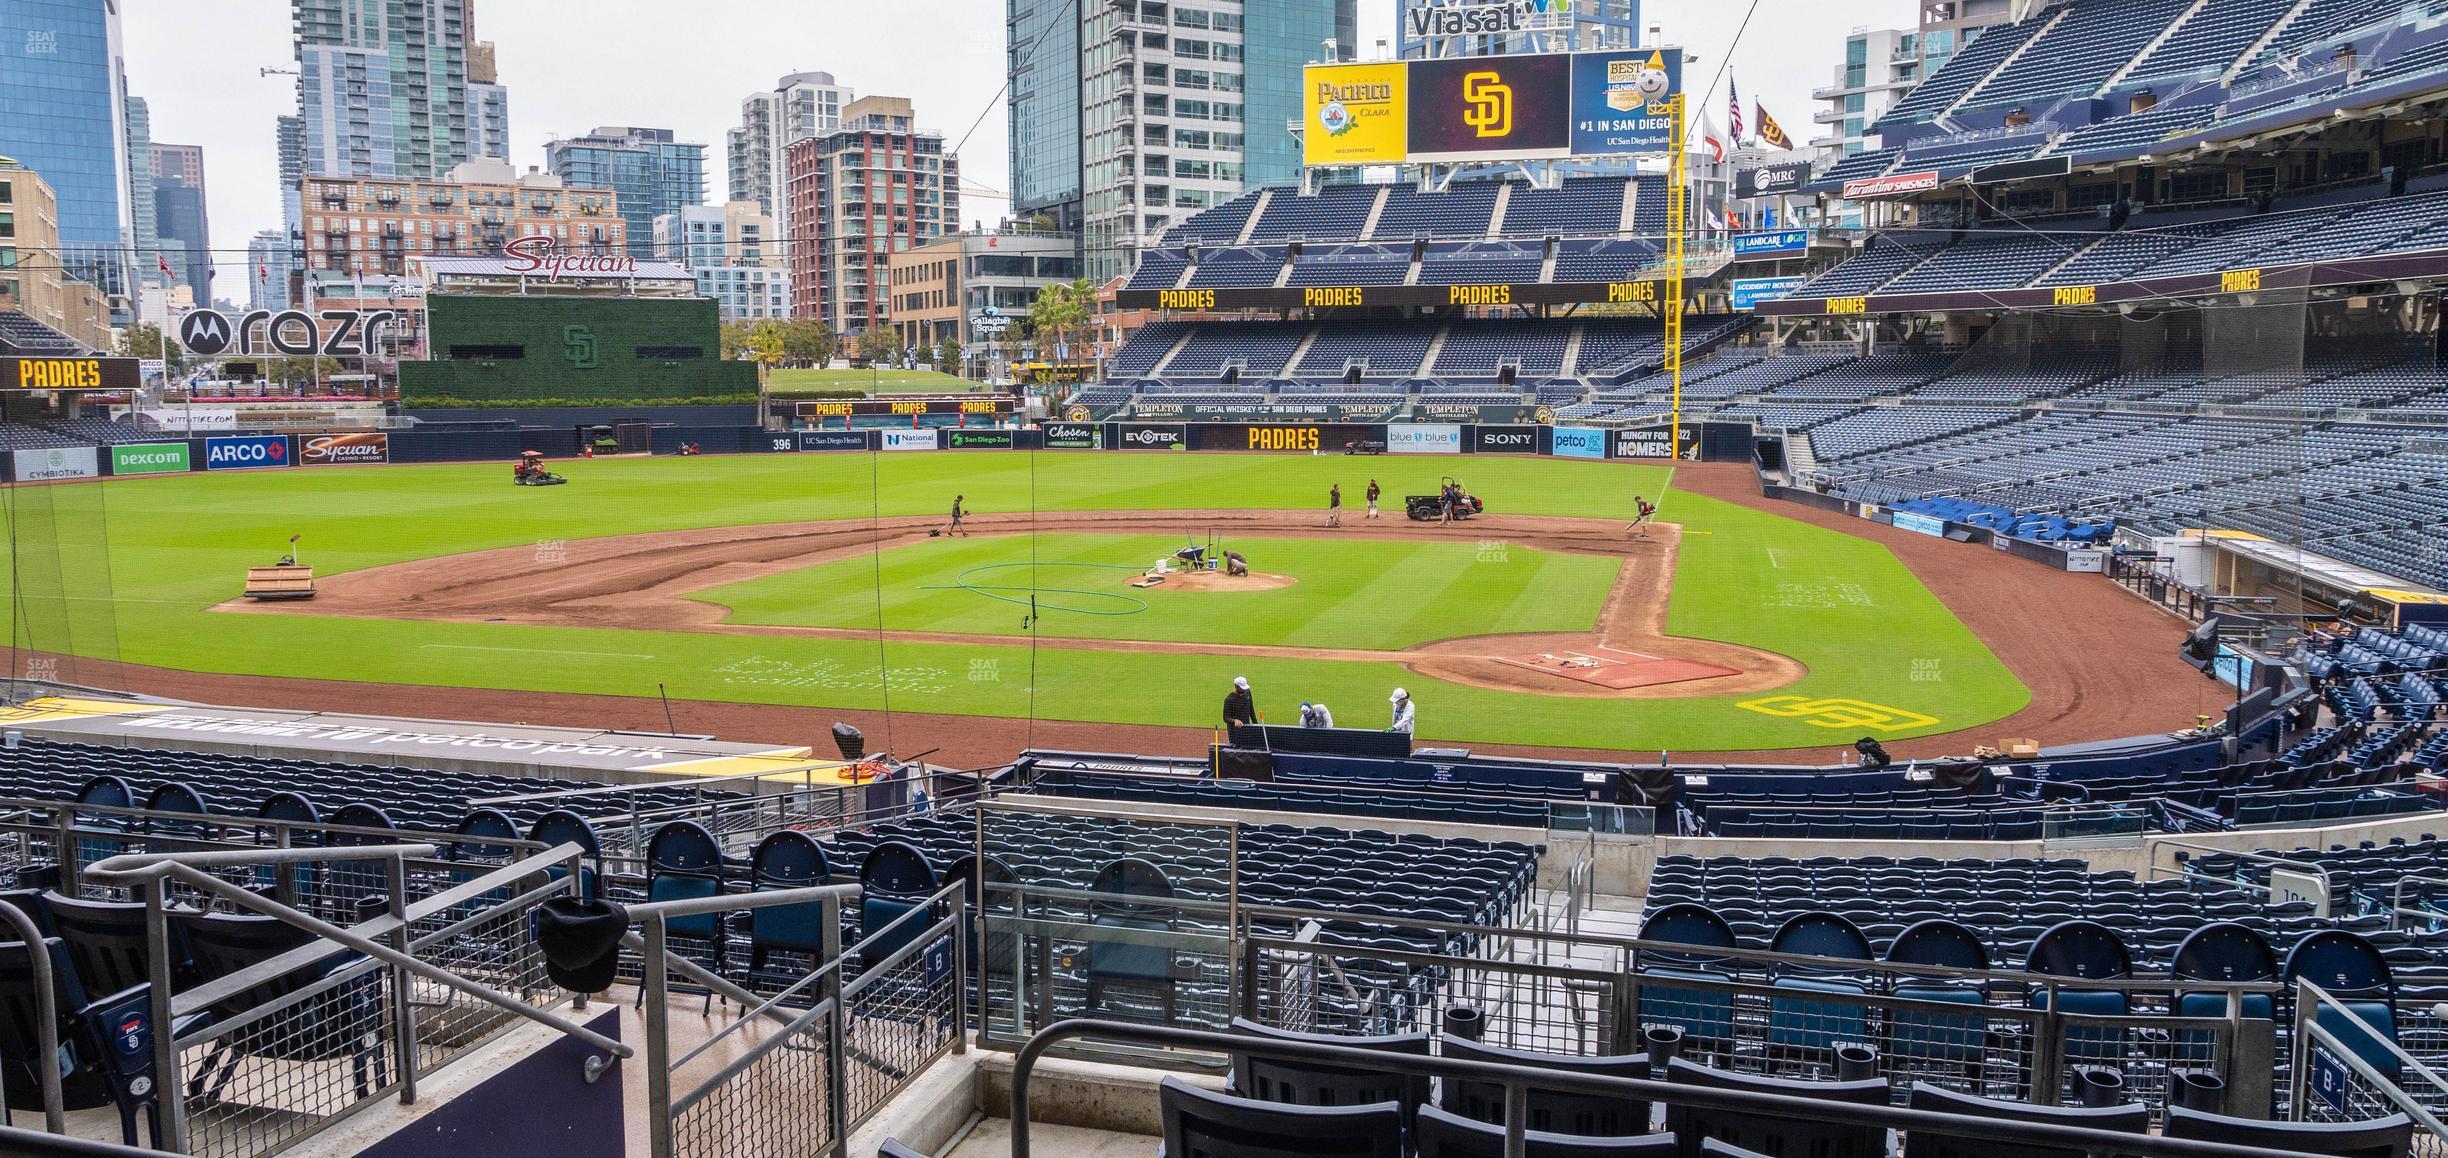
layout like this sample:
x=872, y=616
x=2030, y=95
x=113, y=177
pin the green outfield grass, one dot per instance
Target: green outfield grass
x=887, y=381
x=1345, y=594
x=178, y=545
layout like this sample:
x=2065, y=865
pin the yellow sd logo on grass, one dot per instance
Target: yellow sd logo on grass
x=1839, y=713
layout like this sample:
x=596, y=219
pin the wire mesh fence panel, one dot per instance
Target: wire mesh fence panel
x=487, y=941
x=1335, y=989
x=774, y=1100
x=279, y=1067
x=897, y=1020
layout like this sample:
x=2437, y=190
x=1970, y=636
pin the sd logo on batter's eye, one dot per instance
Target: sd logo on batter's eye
x=1839, y=713
x=1491, y=104
x=578, y=345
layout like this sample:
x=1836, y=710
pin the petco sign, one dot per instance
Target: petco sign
x=1579, y=442
x=339, y=334
x=246, y=451
x=1423, y=438
x=910, y=439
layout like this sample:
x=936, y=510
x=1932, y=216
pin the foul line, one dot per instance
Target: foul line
x=538, y=650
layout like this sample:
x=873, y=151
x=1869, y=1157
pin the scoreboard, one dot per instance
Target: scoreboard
x=70, y=373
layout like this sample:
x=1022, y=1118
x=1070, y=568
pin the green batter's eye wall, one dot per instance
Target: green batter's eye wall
x=503, y=348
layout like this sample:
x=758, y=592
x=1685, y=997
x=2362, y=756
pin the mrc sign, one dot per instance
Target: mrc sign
x=296, y=333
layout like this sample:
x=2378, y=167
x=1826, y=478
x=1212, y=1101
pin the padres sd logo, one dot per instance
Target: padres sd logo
x=1077, y=414
x=1491, y=104
x=1839, y=713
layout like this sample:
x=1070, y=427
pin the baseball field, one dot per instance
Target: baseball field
x=812, y=580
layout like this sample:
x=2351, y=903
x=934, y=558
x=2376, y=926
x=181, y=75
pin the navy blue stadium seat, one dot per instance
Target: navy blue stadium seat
x=2389, y=1137
x=1551, y=1111
x=1200, y=1124
x=1439, y=1134
x=2132, y=1118
x=1772, y=1134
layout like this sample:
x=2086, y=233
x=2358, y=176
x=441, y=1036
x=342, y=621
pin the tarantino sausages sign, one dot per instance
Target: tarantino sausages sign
x=344, y=449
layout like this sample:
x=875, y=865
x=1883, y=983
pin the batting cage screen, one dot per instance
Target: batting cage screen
x=62, y=612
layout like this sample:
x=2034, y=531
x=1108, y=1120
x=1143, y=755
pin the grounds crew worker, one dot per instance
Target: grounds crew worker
x=1372, y=498
x=1402, y=712
x=1239, y=709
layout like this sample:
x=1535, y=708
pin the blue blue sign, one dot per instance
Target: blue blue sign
x=1619, y=100
x=1750, y=291
x=1579, y=442
x=1777, y=242
x=1921, y=524
x=249, y=450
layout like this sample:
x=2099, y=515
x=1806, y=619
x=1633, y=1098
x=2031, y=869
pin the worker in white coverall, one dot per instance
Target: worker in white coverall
x=1402, y=712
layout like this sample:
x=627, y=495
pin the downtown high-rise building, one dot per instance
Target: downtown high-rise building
x=143, y=225
x=382, y=86
x=653, y=172
x=874, y=187
x=63, y=116
x=735, y=252
x=488, y=105
x=181, y=221
x=269, y=264
x=1127, y=117
x=801, y=105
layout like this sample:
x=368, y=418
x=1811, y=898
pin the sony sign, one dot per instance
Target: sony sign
x=1468, y=19
x=341, y=334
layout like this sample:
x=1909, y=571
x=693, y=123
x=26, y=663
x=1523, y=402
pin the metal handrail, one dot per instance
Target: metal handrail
x=1518, y=1081
x=2397, y=897
x=140, y=869
x=47, y=1007
x=2328, y=887
x=2309, y=997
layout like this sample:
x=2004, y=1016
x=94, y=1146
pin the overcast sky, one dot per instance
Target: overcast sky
x=685, y=64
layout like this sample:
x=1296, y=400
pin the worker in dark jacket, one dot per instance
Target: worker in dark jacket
x=1239, y=708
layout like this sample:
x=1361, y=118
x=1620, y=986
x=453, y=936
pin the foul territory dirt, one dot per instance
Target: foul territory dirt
x=2100, y=663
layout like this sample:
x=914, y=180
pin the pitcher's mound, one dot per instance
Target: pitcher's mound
x=1217, y=581
x=1609, y=667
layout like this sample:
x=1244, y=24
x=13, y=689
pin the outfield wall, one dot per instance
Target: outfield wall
x=1712, y=441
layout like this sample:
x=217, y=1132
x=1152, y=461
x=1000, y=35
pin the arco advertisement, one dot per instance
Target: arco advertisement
x=246, y=451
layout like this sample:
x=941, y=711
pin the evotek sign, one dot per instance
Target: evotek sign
x=341, y=334
x=1140, y=436
x=246, y=451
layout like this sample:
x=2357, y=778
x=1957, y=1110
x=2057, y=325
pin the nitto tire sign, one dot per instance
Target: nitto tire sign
x=1070, y=436
x=1504, y=440
x=248, y=451
x=1143, y=436
x=149, y=458
x=57, y=463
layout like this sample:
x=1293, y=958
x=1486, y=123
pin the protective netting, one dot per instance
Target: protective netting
x=61, y=610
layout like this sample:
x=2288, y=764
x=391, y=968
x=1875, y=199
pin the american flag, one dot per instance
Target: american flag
x=1734, y=112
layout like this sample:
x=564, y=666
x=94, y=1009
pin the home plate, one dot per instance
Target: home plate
x=1615, y=668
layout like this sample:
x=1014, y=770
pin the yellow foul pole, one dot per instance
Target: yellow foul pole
x=1676, y=198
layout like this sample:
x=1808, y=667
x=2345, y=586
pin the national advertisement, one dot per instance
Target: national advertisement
x=1620, y=101
x=246, y=450
x=1070, y=435
x=56, y=463
x=995, y=439
x=832, y=440
x=1150, y=436
x=344, y=449
x=1475, y=107
x=148, y=458
x=1746, y=292
x=1423, y=438
x=1354, y=114
x=1578, y=442
x=923, y=438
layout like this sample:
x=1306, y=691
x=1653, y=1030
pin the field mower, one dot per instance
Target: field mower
x=1431, y=508
x=530, y=471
